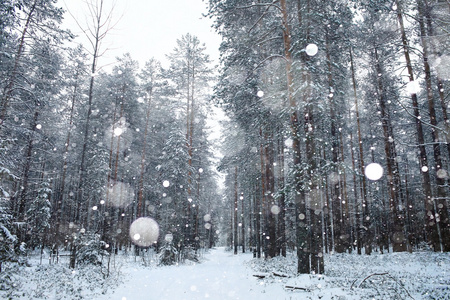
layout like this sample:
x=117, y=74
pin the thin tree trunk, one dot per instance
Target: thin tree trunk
x=26, y=169
x=365, y=239
x=338, y=220
x=144, y=148
x=269, y=191
x=398, y=239
x=440, y=83
x=303, y=251
x=242, y=223
x=346, y=226
x=7, y=91
x=235, y=212
x=443, y=225
x=429, y=219
x=316, y=209
x=257, y=210
x=60, y=199
x=281, y=200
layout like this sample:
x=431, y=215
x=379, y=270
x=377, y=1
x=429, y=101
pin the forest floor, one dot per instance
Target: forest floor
x=222, y=275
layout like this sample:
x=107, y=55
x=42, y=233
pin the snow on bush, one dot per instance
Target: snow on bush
x=91, y=250
x=55, y=281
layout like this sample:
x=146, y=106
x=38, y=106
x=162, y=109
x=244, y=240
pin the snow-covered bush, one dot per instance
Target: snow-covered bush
x=39, y=214
x=188, y=253
x=91, y=250
x=8, y=241
x=168, y=255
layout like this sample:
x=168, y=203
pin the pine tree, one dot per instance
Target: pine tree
x=39, y=215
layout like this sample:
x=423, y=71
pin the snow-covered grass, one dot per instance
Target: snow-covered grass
x=419, y=275
x=222, y=275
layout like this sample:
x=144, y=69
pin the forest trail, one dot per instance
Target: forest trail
x=221, y=275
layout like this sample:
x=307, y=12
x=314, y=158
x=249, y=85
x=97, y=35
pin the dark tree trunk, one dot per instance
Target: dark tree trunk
x=397, y=236
x=443, y=225
x=363, y=238
x=429, y=220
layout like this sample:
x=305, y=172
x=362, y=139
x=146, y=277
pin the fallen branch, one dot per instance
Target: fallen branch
x=279, y=275
x=297, y=288
x=381, y=274
x=259, y=276
x=374, y=274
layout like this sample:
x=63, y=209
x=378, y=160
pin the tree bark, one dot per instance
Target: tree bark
x=429, y=219
x=397, y=236
x=442, y=221
x=338, y=219
x=303, y=251
x=362, y=239
x=235, y=212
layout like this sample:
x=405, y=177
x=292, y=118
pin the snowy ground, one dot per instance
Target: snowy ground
x=222, y=275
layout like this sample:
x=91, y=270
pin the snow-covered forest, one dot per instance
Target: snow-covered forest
x=327, y=178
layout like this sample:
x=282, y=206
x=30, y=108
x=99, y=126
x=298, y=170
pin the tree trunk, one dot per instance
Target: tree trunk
x=139, y=212
x=303, y=251
x=338, y=219
x=235, y=212
x=443, y=225
x=281, y=200
x=7, y=91
x=429, y=220
x=270, y=224
x=242, y=223
x=397, y=237
x=26, y=169
x=364, y=237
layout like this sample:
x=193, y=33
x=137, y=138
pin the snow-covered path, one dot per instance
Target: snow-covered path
x=221, y=276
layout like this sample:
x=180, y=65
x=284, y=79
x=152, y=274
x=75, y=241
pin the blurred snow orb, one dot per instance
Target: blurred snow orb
x=208, y=226
x=275, y=209
x=168, y=238
x=424, y=169
x=373, y=171
x=120, y=194
x=288, y=142
x=118, y=131
x=413, y=87
x=207, y=217
x=166, y=183
x=144, y=232
x=311, y=49
x=260, y=94
x=38, y=126
x=442, y=174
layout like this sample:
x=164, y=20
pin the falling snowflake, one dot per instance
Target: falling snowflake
x=373, y=171
x=311, y=49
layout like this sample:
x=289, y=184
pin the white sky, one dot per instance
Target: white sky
x=148, y=28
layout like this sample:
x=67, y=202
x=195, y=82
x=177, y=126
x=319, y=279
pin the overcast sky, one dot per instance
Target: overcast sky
x=148, y=28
